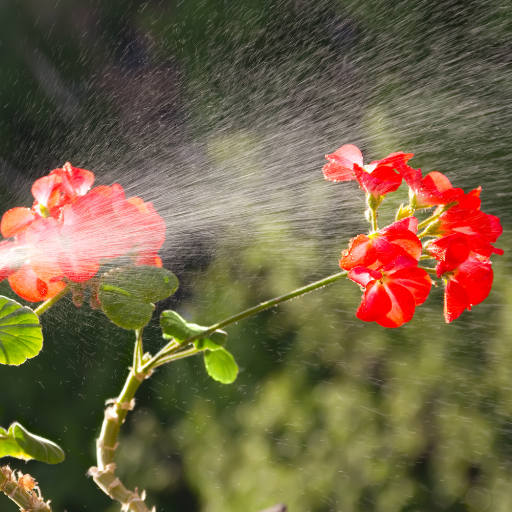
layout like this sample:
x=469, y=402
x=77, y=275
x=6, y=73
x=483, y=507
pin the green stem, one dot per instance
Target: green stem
x=50, y=302
x=373, y=219
x=172, y=347
x=28, y=501
x=429, y=270
x=436, y=216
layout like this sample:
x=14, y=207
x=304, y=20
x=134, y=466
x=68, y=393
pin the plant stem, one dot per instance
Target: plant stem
x=373, y=219
x=429, y=270
x=172, y=347
x=28, y=501
x=115, y=414
x=45, y=306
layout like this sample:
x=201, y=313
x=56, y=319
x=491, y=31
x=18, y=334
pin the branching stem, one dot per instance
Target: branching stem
x=172, y=347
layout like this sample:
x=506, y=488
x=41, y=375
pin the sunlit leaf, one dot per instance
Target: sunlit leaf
x=221, y=365
x=175, y=326
x=127, y=294
x=20, y=443
x=20, y=333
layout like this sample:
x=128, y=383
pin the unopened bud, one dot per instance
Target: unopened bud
x=404, y=211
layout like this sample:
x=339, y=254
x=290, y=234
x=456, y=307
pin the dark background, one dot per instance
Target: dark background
x=220, y=113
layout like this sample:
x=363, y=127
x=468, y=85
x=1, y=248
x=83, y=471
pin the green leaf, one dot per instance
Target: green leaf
x=221, y=365
x=127, y=294
x=175, y=326
x=20, y=333
x=20, y=443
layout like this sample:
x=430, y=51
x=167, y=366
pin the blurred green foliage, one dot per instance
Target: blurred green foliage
x=328, y=413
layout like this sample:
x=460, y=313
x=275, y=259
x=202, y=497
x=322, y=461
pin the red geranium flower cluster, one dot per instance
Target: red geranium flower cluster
x=386, y=262
x=71, y=230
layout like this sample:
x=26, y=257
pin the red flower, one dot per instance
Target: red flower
x=392, y=294
x=470, y=222
x=381, y=248
x=377, y=178
x=69, y=233
x=467, y=286
x=434, y=189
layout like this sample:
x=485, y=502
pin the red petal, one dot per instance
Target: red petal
x=409, y=223
x=29, y=287
x=381, y=181
x=347, y=155
x=363, y=276
x=476, y=277
x=375, y=304
x=456, y=300
x=336, y=172
x=44, y=187
x=402, y=306
x=360, y=253
x=16, y=220
x=416, y=280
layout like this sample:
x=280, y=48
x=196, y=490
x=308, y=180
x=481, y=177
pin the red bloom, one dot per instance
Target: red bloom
x=69, y=233
x=471, y=222
x=377, y=178
x=467, y=286
x=392, y=294
x=381, y=248
x=434, y=189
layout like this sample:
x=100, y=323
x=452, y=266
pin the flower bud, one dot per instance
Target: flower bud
x=404, y=212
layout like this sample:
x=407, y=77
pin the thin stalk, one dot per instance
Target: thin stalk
x=172, y=347
x=373, y=219
x=177, y=355
x=436, y=216
x=429, y=270
x=28, y=501
x=45, y=306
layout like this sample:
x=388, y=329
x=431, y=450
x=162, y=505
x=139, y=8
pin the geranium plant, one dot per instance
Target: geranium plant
x=95, y=243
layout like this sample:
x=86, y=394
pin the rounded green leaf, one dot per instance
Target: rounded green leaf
x=20, y=333
x=176, y=327
x=20, y=443
x=221, y=365
x=127, y=294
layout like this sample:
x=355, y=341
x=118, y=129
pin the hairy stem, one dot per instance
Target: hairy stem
x=172, y=347
x=115, y=414
x=45, y=306
x=17, y=491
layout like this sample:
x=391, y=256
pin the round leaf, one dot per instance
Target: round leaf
x=20, y=443
x=127, y=293
x=20, y=333
x=221, y=365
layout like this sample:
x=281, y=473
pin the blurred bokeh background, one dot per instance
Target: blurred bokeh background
x=220, y=112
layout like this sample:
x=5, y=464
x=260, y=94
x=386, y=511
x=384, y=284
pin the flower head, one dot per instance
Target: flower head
x=71, y=231
x=377, y=178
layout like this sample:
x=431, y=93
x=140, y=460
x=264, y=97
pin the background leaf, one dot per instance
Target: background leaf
x=127, y=293
x=20, y=332
x=221, y=365
x=20, y=443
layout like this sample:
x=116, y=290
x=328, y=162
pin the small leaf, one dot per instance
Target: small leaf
x=20, y=443
x=127, y=293
x=20, y=333
x=221, y=365
x=175, y=326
